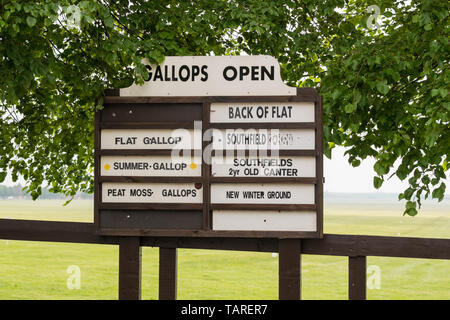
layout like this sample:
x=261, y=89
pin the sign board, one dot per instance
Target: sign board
x=265, y=220
x=212, y=76
x=273, y=193
x=264, y=139
x=149, y=139
x=263, y=167
x=210, y=147
x=150, y=166
x=222, y=112
x=126, y=192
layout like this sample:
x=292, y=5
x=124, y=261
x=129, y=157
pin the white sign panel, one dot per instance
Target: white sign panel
x=263, y=167
x=151, y=193
x=250, y=220
x=150, y=139
x=262, y=193
x=233, y=112
x=212, y=76
x=263, y=139
x=151, y=166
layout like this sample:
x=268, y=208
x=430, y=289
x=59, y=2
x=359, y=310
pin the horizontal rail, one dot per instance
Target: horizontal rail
x=331, y=244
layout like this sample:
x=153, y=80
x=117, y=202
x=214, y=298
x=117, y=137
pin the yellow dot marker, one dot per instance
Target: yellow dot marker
x=193, y=165
x=107, y=167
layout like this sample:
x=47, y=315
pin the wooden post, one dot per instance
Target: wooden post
x=289, y=287
x=357, y=278
x=129, y=268
x=167, y=273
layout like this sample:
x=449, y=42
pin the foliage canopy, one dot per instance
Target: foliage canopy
x=384, y=77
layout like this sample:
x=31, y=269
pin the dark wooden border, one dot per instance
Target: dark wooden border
x=319, y=166
x=97, y=189
x=206, y=170
x=143, y=152
x=146, y=125
x=303, y=95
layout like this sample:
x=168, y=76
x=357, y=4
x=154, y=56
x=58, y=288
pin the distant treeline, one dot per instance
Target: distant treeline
x=16, y=192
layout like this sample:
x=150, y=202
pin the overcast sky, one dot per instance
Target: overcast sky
x=340, y=176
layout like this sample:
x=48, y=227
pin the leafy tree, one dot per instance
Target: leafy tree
x=385, y=88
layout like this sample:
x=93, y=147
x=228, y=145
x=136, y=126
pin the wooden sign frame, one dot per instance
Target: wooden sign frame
x=142, y=113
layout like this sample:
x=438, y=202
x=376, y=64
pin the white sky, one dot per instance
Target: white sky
x=340, y=176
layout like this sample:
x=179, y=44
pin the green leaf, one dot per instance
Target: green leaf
x=438, y=193
x=411, y=212
x=377, y=182
x=350, y=108
x=2, y=176
x=410, y=208
x=410, y=204
x=31, y=21
x=401, y=173
x=382, y=87
x=380, y=168
x=336, y=93
x=356, y=163
x=408, y=193
x=357, y=97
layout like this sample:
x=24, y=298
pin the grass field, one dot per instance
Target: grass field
x=38, y=270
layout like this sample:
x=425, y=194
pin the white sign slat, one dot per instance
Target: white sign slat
x=113, y=192
x=250, y=193
x=250, y=220
x=212, y=76
x=150, y=139
x=233, y=112
x=263, y=139
x=298, y=167
x=151, y=166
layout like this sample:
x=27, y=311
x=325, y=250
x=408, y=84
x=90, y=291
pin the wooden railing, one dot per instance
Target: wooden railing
x=356, y=247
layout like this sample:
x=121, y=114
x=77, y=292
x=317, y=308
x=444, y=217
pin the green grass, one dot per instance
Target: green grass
x=38, y=270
